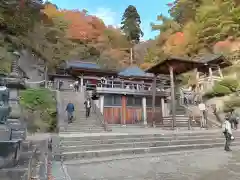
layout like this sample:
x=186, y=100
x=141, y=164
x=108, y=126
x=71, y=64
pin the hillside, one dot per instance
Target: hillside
x=196, y=27
x=54, y=35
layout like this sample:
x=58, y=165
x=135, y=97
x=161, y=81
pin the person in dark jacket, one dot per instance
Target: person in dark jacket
x=70, y=110
x=87, y=104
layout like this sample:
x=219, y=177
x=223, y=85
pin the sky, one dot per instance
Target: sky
x=111, y=11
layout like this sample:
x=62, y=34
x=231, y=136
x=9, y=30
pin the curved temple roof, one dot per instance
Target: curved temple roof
x=134, y=71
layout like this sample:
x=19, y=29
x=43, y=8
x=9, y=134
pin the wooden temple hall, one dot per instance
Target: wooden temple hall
x=133, y=96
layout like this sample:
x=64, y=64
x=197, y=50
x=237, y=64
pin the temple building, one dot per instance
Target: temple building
x=132, y=96
x=125, y=97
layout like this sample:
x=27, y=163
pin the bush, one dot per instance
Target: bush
x=217, y=91
x=233, y=103
x=232, y=84
x=40, y=110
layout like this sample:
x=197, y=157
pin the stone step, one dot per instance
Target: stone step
x=143, y=144
x=80, y=141
x=83, y=131
x=124, y=151
x=177, y=125
x=139, y=135
x=83, y=125
x=126, y=126
x=83, y=120
x=84, y=128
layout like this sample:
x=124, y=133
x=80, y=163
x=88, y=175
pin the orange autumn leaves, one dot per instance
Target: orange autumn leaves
x=80, y=26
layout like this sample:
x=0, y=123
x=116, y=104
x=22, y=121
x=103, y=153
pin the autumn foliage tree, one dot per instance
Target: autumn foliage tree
x=92, y=39
x=198, y=26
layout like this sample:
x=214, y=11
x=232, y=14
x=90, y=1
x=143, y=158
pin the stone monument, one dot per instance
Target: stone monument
x=12, y=130
x=10, y=149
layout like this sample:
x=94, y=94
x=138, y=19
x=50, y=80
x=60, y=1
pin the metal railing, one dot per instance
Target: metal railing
x=97, y=111
x=135, y=85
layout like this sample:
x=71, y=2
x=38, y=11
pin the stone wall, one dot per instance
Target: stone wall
x=33, y=162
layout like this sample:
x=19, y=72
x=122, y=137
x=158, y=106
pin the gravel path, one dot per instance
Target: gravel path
x=196, y=165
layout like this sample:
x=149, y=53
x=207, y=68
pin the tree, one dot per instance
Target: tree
x=183, y=11
x=131, y=24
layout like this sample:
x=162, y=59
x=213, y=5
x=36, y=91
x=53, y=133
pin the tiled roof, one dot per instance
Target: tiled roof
x=134, y=71
x=207, y=58
x=81, y=64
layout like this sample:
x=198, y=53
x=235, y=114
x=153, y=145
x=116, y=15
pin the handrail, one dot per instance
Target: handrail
x=97, y=111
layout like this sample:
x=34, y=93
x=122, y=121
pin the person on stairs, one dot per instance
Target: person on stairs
x=70, y=110
x=202, y=108
x=227, y=131
x=87, y=104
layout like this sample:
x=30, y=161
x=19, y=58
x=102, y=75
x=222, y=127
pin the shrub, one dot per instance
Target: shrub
x=231, y=83
x=217, y=91
x=233, y=103
x=40, y=110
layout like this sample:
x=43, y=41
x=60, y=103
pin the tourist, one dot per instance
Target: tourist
x=227, y=131
x=234, y=118
x=202, y=108
x=60, y=84
x=70, y=110
x=76, y=86
x=87, y=104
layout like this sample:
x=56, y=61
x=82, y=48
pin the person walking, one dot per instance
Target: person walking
x=234, y=119
x=227, y=131
x=87, y=104
x=76, y=86
x=70, y=110
x=202, y=108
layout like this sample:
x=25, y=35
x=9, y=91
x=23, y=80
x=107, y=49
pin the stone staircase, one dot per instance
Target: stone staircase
x=81, y=124
x=90, y=148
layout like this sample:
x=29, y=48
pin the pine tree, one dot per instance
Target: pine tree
x=131, y=24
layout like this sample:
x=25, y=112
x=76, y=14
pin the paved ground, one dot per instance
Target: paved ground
x=198, y=165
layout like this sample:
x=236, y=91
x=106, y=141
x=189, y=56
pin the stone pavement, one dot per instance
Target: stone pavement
x=209, y=164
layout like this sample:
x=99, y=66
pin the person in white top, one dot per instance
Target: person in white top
x=202, y=108
x=227, y=131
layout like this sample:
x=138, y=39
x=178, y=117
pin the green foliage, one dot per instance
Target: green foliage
x=40, y=104
x=131, y=24
x=233, y=103
x=167, y=25
x=180, y=14
x=217, y=91
x=232, y=84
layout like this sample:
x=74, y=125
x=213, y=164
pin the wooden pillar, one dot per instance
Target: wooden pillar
x=172, y=97
x=197, y=80
x=124, y=110
x=81, y=83
x=210, y=75
x=101, y=103
x=154, y=98
x=144, y=108
x=220, y=71
x=163, y=107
